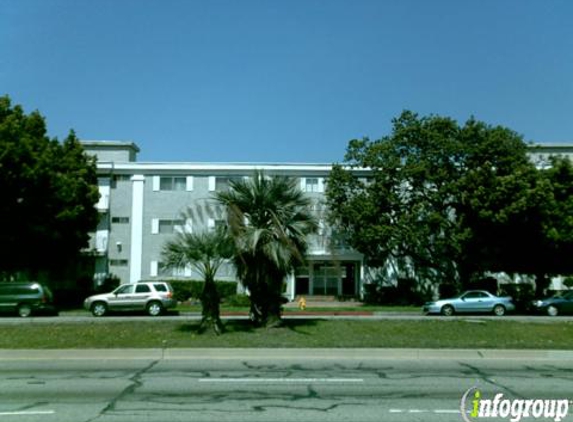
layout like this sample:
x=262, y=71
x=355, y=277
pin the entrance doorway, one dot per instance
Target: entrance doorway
x=326, y=280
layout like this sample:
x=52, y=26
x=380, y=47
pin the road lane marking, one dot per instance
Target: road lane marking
x=282, y=380
x=436, y=411
x=28, y=413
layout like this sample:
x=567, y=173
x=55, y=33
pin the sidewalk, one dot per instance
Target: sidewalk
x=285, y=354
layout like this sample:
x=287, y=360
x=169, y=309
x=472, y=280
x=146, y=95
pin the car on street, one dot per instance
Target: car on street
x=26, y=299
x=152, y=297
x=561, y=303
x=472, y=301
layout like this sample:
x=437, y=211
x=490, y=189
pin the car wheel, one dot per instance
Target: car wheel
x=447, y=310
x=24, y=310
x=154, y=308
x=552, y=310
x=99, y=309
x=499, y=310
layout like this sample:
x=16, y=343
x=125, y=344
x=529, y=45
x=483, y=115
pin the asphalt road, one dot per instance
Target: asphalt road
x=269, y=385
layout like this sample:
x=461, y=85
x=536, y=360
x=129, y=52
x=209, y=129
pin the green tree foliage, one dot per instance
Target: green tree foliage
x=431, y=186
x=555, y=249
x=49, y=192
x=206, y=252
x=269, y=219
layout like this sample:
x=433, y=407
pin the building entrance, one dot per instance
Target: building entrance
x=326, y=280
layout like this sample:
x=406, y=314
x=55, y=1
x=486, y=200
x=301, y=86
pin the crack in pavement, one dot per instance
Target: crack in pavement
x=135, y=384
x=483, y=376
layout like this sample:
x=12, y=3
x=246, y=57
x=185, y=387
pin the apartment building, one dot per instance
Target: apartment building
x=142, y=205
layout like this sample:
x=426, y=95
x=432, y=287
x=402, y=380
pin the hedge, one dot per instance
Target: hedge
x=191, y=290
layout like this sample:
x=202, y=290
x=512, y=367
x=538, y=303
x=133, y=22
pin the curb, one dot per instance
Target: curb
x=284, y=354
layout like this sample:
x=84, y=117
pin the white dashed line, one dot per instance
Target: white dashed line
x=28, y=413
x=282, y=380
x=436, y=411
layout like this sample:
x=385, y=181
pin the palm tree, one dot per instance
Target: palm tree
x=206, y=252
x=269, y=220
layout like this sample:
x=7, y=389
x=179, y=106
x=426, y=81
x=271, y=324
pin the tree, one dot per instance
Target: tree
x=269, y=220
x=206, y=252
x=49, y=192
x=554, y=250
x=414, y=207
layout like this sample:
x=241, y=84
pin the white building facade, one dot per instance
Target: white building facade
x=143, y=204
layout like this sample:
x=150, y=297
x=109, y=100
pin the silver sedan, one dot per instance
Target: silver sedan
x=472, y=301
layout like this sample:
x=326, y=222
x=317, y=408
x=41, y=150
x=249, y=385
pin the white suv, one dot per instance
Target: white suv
x=154, y=298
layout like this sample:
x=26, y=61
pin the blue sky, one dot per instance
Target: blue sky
x=284, y=81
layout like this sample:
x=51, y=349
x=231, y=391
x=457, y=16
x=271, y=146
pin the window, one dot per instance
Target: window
x=119, y=178
x=142, y=288
x=311, y=184
x=223, y=183
x=173, y=183
x=169, y=226
x=165, y=271
x=125, y=289
x=118, y=262
x=475, y=295
x=120, y=220
x=159, y=269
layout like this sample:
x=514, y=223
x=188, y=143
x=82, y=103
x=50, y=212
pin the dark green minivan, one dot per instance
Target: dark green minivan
x=26, y=298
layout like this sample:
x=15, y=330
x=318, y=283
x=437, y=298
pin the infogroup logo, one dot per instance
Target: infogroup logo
x=474, y=407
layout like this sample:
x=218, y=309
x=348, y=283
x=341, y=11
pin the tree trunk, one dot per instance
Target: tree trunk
x=211, y=312
x=258, y=312
x=274, y=306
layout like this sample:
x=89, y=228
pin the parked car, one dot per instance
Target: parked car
x=561, y=303
x=152, y=297
x=472, y=301
x=26, y=299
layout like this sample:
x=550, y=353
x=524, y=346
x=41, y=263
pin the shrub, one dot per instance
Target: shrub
x=110, y=283
x=522, y=295
x=186, y=290
x=226, y=288
x=238, y=300
x=568, y=282
x=406, y=292
x=447, y=290
x=489, y=284
x=192, y=289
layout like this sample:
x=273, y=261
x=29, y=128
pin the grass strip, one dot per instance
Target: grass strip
x=295, y=333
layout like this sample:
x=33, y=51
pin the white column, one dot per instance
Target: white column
x=189, y=183
x=290, y=280
x=212, y=183
x=138, y=182
x=156, y=183
x=321, y=184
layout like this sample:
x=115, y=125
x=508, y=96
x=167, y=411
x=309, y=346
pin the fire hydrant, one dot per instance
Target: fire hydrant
x=302, y=303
